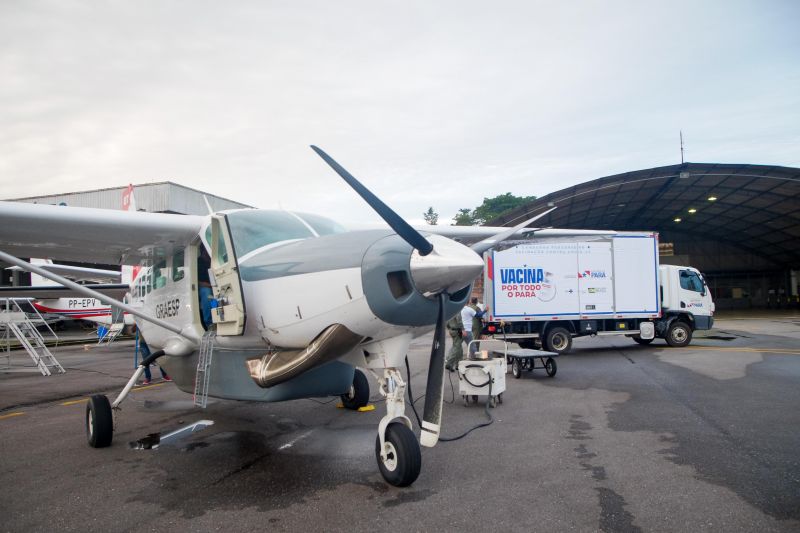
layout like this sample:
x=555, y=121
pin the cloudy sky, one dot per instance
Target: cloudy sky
x=429, y=103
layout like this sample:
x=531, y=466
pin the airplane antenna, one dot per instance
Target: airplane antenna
x=681, y=132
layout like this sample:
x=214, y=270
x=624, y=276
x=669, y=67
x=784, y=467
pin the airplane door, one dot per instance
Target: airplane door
x=229, y=315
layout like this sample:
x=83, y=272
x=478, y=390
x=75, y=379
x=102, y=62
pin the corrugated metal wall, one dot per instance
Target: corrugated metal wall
x=153, y=197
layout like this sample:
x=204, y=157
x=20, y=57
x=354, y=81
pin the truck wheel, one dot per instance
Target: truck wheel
x=679, y=334
x=558, y=340
x=641, y=341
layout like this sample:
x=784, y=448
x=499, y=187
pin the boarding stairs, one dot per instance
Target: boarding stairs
x=114, y=331
x=203, y=374
x=18, y=324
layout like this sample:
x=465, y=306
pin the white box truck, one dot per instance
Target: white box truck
x=542, y=293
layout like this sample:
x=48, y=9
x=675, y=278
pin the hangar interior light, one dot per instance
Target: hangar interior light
x=692, y=210
x=677, y=219
x=712, y=198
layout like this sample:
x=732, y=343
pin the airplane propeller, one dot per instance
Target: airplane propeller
x=434, y=391
x=403, y=229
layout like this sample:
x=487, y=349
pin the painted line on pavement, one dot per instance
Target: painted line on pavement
x=11, y=415
x=73, y=402
x=787, y=351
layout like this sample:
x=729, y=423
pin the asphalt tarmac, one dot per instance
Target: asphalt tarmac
x=623, y=438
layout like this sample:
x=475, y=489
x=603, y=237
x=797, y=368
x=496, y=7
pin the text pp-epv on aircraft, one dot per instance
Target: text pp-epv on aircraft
x=298, y=302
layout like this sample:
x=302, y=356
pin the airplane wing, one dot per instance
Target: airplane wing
x=471, y=233
x=45, y=292
x=76, y=273
x=90, y=235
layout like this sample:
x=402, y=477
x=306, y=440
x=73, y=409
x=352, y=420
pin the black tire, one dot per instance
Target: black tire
x=679, y=334
x=643, y=342
x=516, y=368
x=550, y=367
x=500, y=398
x=99, y=422
x=358, y=395
x=558, y=340
x=404, y=460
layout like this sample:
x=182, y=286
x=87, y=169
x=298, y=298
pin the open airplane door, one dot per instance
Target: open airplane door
x=229, y=315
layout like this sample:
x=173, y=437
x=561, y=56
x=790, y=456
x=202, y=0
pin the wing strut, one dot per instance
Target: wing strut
x=94, y=294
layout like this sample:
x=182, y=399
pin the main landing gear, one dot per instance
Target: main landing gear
x=358, y=395
x=100, y=413
x=396, y=447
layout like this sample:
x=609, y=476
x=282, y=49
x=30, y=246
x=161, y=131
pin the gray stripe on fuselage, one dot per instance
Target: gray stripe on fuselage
x=329, y=252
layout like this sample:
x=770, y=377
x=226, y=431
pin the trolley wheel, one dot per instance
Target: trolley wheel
x=641, y=341
x=516, y=369
x=550, y=367
x=466, y=400
x=492, y=401
x=558, y=340
x=500, y=397
x=99, y=422
x=403, y=458
x=679, y=334
x=358, y=395
x=475, y=398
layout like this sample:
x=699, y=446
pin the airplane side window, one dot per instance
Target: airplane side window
x=159, y=274
x=177, y=266
x=223, y=252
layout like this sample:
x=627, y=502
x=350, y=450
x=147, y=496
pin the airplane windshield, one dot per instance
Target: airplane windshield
x=253, y=229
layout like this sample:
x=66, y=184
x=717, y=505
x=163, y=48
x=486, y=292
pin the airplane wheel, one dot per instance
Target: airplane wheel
x=403, y=458
x=358, y=395
x=99, y=422
x=516, y=369
x=550, y=367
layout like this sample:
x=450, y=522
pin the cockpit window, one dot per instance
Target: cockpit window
x=253, y=229
x=322, y=225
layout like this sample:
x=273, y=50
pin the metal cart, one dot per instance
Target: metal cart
x=525, y=359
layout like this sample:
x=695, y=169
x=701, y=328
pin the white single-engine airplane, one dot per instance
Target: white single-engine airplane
x=298, y=303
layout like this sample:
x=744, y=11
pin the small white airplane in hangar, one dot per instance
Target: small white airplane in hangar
x=298, y=302
x=49, y=299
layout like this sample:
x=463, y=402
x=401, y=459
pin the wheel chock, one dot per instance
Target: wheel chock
x=364, y=409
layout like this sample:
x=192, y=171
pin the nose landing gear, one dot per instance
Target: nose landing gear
x=396, y=447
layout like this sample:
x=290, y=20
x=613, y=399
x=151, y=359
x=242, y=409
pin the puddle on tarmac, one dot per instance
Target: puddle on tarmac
x=154, y=440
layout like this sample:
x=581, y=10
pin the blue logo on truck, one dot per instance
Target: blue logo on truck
x=521, y=275
x=592, y=274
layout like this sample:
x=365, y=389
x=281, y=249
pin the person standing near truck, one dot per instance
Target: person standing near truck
x=469, y=312
x=477, y=321
x=456, y=353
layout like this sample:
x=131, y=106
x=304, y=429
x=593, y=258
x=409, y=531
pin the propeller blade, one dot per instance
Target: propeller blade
x=403, y=229
x=434, y=393
x=485, y=244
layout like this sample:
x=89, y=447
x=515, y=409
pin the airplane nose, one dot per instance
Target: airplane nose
x=449, y=267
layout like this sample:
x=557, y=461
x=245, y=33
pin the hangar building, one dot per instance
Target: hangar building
x=738, y=224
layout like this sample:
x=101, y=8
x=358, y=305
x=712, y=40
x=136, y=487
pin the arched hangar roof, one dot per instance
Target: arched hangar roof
x=753, y=207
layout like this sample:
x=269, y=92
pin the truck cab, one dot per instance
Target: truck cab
x=686, y=304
